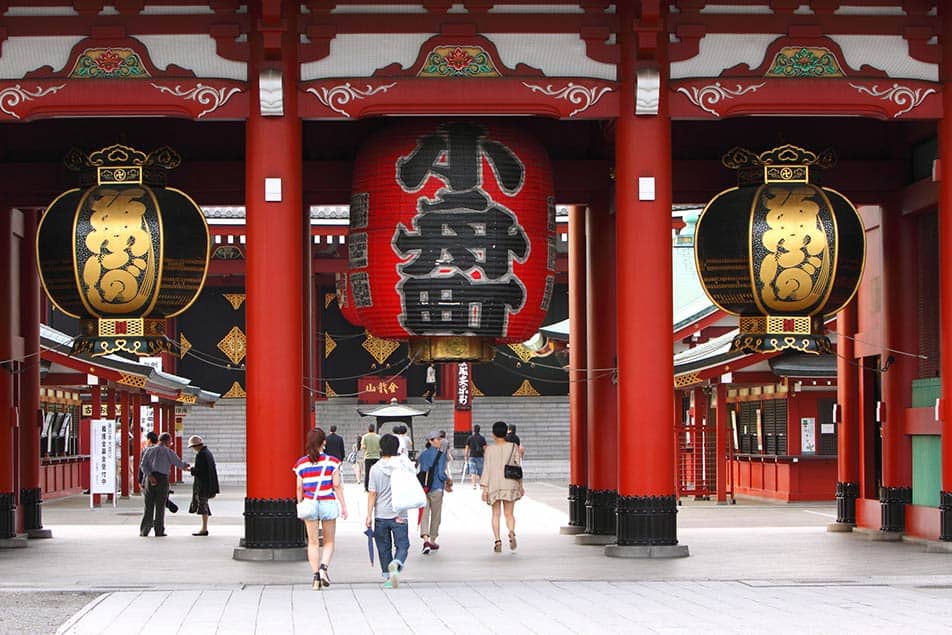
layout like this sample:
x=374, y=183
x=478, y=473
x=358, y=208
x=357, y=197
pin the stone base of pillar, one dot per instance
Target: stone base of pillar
x=16, y=542
x=838, y=527
x=647, y=551
x=598, y=540
x=39, y=534
x=8, y=516
x=296, y=554
x=893, y=501
x=577, y=496
x=571, y=530
x=945, y=516
x=600, y=511
x=272, y=525
x=878, y=535
x=647, y=520
x=846, y=495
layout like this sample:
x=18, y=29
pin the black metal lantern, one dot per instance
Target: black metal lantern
x=124, y=254
x=779, y=251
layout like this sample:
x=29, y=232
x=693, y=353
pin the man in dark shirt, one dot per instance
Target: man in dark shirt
x=157, y=462
x=474, y=452
x=334, y=444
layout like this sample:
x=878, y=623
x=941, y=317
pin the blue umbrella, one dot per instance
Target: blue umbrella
x=370, y=543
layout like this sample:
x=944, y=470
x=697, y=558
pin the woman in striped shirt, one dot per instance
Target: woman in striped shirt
x=318, y=476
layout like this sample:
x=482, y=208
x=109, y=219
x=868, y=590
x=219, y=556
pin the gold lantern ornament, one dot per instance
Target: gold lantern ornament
x=779, y=251
x=125, y=253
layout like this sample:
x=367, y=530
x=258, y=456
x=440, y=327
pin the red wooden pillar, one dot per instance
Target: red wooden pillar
x=8, y=294
x=124, y=443
x=31, y=418
x=647, y=505
x=137, y=439
x=945, y=274
x=602, y=398
x=578, y=371
x=274, y=282
x=698, y=423
x=847, y=420
x=900, y=334
x=157, y=418
x=720, y=444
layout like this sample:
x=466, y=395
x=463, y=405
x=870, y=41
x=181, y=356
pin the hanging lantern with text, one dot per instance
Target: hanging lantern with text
x=779, y=251
x=452, y=237
x=345, y=298
x=124, y=254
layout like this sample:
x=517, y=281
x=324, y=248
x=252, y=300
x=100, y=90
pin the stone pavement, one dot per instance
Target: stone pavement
x=753, y=566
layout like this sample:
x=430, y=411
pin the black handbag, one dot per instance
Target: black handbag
x=512, y=471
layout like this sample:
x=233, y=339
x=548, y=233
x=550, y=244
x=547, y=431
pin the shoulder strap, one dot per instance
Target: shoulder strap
x=511, y=454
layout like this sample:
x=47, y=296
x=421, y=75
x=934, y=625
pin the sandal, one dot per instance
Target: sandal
x=512, y=541
x=497, y=546
x=322, y=574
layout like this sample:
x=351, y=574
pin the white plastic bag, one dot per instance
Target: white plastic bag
x=405, y=490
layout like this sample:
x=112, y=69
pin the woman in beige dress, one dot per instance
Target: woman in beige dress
x=499, y=492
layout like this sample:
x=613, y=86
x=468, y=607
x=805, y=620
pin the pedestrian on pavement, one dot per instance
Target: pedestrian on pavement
x=512, y=437
x=318, y=477
x=157, y=461
x=358, y=453
x=370, y=442
x=450, y=457
x=334, y=445
x=151, y=439
x=400, y=431
x=435, y=482
x=205, y=485
x=473, y=454
x=499, y=492
x=430, y=382
x=391, y=533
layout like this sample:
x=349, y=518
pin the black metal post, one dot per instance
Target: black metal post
x=600, y=511
x=577, y=496
x=30, y=500
x=8, y=515
x=945, y=516
x=272, y=523
x=846, y=494
x=893, y=501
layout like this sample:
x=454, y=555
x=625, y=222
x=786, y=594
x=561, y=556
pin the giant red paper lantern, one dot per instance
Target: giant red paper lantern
x=345, y=298
x=452, y=236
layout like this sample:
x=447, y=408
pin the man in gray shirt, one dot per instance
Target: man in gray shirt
x=156, y=463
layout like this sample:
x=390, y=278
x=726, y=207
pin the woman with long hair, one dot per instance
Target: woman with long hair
x=318, y=477
x=499, y=492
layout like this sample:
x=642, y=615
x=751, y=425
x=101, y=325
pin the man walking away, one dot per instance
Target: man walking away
x=389, y=526
x=157, y=461
x=433, y=465
x=334, y=444
x=430, y=382
x=371, y=444
x=474, y=452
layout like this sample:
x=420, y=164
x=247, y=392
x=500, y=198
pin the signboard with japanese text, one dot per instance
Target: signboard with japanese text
x=102, y=459
x=381, y=389
x=808, y=435
x=464, y=398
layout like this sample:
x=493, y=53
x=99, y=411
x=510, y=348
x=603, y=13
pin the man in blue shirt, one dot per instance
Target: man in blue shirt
x=156, y=463
x=433, y=466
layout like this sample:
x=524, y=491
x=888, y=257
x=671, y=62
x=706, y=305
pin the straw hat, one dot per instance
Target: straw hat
x=195, y=440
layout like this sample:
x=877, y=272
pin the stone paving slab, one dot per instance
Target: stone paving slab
x=752, y=566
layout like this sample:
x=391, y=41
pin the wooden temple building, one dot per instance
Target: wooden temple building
x=616, y=113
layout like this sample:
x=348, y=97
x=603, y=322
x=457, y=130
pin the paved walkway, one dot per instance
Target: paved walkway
x=752, y=567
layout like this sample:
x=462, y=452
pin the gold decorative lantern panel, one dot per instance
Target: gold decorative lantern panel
x=779, y=251
x=125, y=253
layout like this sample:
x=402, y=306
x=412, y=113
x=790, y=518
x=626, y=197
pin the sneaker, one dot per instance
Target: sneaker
x=316, y=583
x=394, y=570
x=426, y=547
x=434, y=546
x=387, y=585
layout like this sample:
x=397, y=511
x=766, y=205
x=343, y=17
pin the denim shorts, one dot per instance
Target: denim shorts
x=326, y=510
x=476, y=465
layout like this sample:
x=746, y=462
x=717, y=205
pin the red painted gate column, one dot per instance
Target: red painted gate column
x=900, y=334
x=945, y=274
x=720, y=444
x=124, y=443
x=647, y=505
x=31, y=418
x=275, y=285
x=847, y=420
x=602, y=397
x=7, y=277
x=578, y=372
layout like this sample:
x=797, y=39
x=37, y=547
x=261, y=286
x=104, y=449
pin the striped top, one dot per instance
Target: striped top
x=317, y=477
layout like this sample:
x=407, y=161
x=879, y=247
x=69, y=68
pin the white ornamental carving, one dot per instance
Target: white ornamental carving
x=15, y=95
x=575, y=94
x=342, y=95
x=209, y=96
x=899, y=95
x=707, y=96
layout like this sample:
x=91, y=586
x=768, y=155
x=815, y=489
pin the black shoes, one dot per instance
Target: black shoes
x=201, y=533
